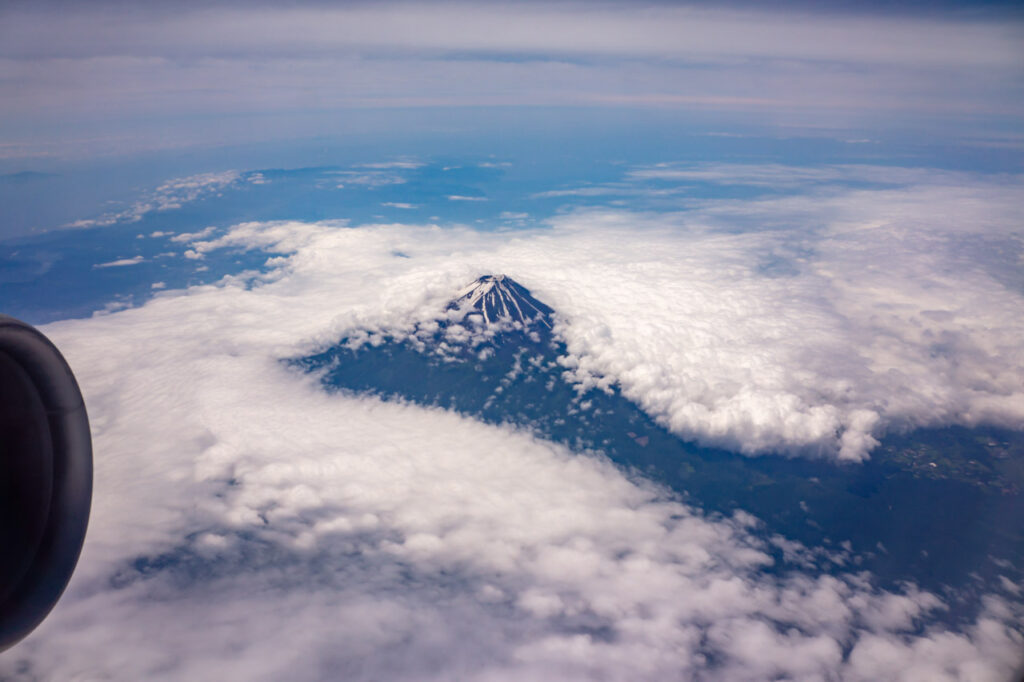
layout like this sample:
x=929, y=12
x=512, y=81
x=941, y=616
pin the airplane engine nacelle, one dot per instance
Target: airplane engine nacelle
x=45, y=477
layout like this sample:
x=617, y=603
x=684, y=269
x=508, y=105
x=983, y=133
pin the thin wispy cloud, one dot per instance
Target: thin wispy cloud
x=170, y=195
x=802, y=69
x=404, y=165
x=561, y=28
x=121, y=262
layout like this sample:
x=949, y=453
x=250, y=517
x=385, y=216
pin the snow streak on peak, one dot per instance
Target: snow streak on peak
x=499, y=298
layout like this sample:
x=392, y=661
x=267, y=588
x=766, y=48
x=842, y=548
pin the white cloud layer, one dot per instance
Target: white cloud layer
x=562, y=28
x=248, y=525
x=63, y=72
x=807, y=324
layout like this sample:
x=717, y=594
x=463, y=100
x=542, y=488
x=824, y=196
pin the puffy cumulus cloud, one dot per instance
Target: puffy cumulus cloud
x=761, y=343
x=248, y=525
x=943, y=656
x=807, y=324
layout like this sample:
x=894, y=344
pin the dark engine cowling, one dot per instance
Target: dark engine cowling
x=45, y=477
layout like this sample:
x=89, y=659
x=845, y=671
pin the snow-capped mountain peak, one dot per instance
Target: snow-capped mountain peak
x=499, y=298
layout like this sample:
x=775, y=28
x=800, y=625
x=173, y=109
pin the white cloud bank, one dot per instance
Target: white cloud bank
x=806, y=324
x=248, y=525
